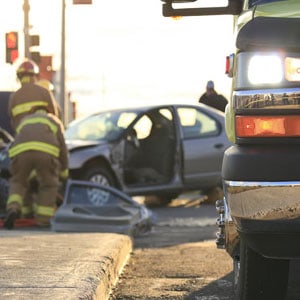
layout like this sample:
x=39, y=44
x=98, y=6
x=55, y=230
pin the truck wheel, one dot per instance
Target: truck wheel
x=257, y=277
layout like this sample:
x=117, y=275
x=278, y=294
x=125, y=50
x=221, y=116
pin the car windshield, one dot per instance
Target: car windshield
x=107, y=126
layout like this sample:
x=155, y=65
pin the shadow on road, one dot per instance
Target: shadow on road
x=222, y=286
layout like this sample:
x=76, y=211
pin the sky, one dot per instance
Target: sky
x=125, y=53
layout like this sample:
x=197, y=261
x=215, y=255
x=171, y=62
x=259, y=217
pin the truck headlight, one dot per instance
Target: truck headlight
x=265, y=69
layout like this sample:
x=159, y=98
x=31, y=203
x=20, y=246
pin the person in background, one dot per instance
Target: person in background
x=212, y=98
x=30, y=94
x=39, y=147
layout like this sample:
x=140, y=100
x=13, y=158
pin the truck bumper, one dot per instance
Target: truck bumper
x=266, y=213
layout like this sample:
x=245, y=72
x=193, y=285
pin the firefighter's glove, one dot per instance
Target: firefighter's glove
x=63, y=175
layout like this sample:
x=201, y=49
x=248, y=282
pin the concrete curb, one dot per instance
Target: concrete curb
x=47, y=265
x=113, y=267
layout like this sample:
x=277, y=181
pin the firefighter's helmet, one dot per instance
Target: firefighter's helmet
x=27, y=67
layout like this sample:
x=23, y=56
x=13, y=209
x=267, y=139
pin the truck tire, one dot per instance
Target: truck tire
x=257, y=277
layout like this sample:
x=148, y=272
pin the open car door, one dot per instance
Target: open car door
x=92, y=207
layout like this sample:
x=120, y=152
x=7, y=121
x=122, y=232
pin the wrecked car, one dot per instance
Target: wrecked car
x=159, y=150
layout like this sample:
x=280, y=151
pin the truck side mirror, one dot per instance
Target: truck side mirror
x=173, y=8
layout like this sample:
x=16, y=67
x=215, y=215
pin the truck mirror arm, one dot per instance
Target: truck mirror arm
x=234, y=8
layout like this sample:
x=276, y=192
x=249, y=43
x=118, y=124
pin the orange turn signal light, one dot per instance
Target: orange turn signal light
x=268, y=126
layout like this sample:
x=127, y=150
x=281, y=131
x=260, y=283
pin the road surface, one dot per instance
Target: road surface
x=179, y=258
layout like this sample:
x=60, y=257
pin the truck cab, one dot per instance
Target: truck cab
x=259, y=217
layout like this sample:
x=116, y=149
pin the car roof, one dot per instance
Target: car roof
x=149, y=107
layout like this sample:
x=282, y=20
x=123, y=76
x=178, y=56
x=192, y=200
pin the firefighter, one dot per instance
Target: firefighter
x=39, y=148
x=30, y=94
x=50, y=87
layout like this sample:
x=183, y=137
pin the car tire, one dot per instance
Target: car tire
x=99, y=174
x=103, y=176
x=257, y=277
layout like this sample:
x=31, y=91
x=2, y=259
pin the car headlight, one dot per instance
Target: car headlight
x=265, y=69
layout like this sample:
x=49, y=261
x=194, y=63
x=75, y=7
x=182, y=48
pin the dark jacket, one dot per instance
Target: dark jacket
x=28, y=96
x=215, y=100
x=41, y=132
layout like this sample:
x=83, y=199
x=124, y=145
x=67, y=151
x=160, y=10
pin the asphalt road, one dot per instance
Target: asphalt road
x=178, y=259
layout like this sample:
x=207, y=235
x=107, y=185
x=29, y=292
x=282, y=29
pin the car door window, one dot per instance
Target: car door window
x=196, y=123
x=143, y=127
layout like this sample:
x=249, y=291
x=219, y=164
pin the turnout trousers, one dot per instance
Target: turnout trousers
x=46, y=168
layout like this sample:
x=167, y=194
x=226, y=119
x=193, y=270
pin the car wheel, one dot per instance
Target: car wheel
x=99, y=174
x=257, y=277
x=103, y=176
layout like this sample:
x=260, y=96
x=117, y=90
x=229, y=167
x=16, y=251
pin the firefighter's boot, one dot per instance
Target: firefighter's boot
x=11, y=216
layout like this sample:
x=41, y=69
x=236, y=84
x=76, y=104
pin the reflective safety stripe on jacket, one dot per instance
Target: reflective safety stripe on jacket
x=34, y=145
x=44, y=210
x=38, y=120
x=26, y=107
x=15, y=198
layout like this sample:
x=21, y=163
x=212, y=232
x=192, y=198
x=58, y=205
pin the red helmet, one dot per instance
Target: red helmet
x=28, y=67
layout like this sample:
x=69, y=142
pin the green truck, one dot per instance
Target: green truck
x=259, y=217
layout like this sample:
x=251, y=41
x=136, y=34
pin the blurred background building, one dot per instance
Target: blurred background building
x=119, y=53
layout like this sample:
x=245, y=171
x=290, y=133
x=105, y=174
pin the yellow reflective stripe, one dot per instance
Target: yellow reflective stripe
x=25, y=79
x=26, y=107
x=32, y=175
x=44, y=210
x=27, y=210
x=64, y=173
x=38, y=120
x=38, y=146
x=15, y=198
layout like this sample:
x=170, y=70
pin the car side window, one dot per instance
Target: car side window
x=197, y=124
x=143, y=127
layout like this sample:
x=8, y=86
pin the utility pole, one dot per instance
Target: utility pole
x=63, y=98
x=26, y=8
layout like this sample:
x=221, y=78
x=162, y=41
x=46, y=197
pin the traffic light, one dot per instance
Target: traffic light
x=12, y=47
x=34, y=41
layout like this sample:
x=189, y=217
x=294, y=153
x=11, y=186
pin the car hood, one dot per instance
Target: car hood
x=78, y=144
